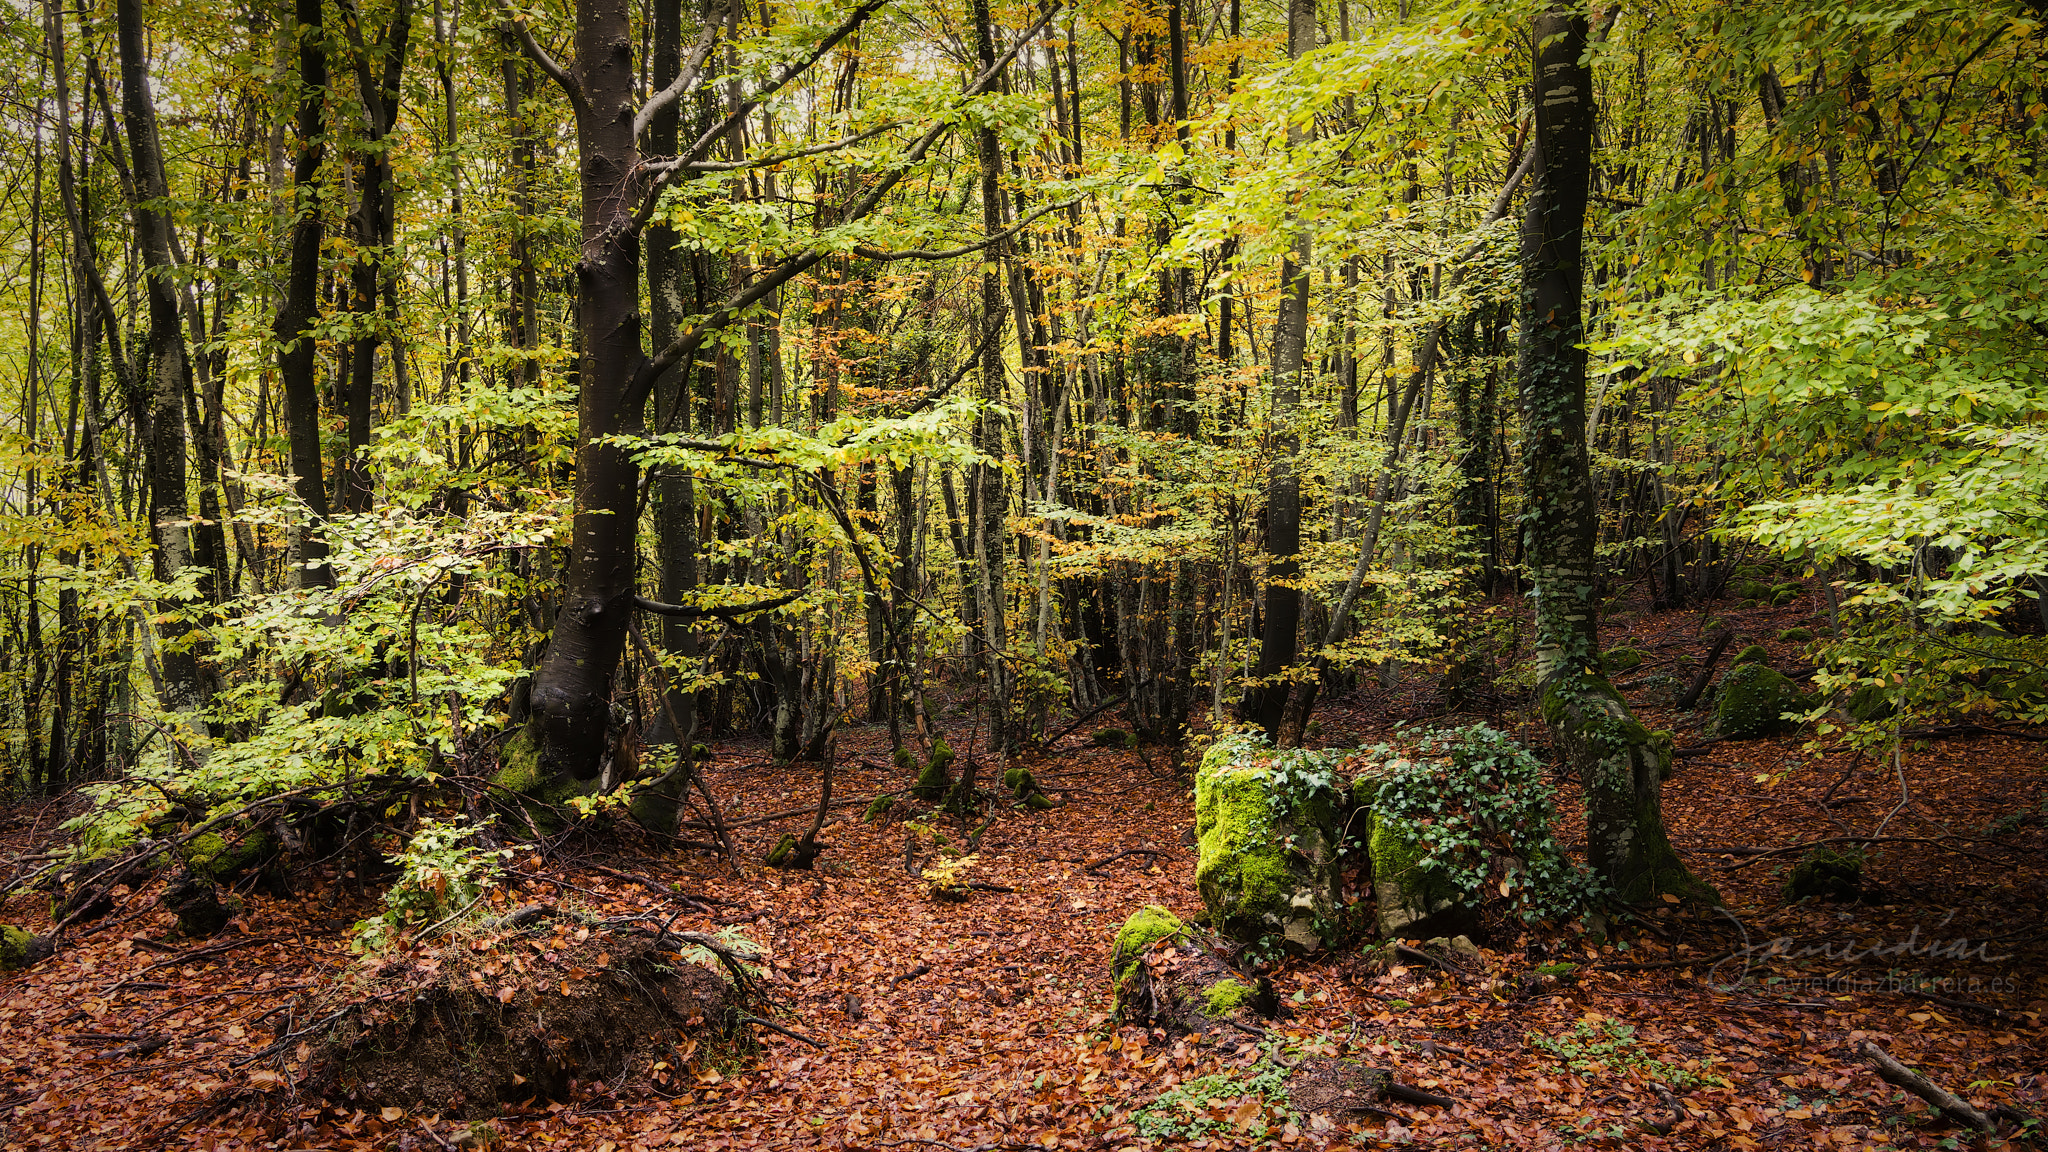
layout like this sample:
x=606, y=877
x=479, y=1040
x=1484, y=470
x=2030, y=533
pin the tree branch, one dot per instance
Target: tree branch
x=867, y=253
x=685, y=80
x=789, y=72
x=728, y=612
x=547, y=64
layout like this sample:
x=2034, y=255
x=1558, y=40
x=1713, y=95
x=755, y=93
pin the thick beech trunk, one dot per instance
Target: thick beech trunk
x=1614, y=756
x=572, y=688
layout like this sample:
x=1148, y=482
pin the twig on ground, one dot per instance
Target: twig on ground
x=1950, y=1105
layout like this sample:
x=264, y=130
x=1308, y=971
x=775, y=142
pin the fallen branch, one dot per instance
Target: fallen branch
x=1698, y=687
x=1937, y=841
x=772, y=1026
x=205, y=953
x=1653, y=965
x=1151, y=852
x=1950, y=1105
x=1958, y=1005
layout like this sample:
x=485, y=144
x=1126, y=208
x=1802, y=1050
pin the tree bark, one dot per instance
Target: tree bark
x=1614, y=756
x=1266, y=702
x=296, y=357
x=166, y=364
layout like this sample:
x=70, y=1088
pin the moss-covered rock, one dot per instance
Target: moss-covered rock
x=1412, y=898
x=1025, y=790
x=935, y=780
x=19, y=948
x=1795, y=635
x=1660, y=691
x=1622, y=659
x=1753, y=699
x=1264, y=870
x=1752, y=654
x=1826, y=873
x=1114, y=738
x=1145, y=927
x=877, y=808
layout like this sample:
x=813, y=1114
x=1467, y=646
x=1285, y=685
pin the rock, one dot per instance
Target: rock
x=1412, y=899
x=19, y=948
x=1168, y=976
x=1267, y=865
x=1659, y=691
x=1752, y=654
x=1826, y=873
x=1752, y=699
x=1024, y=789
x=1621, y=659
x=1795, y=635
x=1114, y=738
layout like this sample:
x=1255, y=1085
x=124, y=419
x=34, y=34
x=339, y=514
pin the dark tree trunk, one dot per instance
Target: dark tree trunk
x=1266, y=702
x=1613, y=755
x=572, y=688
x=296, y=357
x=166, y=369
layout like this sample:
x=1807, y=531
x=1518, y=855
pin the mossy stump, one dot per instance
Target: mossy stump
x=1828, y=874
x=1168, y=976
x=936, y=780
x=20, y=948
x=1752, y=702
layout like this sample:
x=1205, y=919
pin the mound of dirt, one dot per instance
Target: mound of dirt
x=515, y=1016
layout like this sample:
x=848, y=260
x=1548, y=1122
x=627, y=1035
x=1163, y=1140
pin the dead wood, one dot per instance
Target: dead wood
x=1950, y=1105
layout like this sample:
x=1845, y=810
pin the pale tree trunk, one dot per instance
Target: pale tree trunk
x=1619, y=763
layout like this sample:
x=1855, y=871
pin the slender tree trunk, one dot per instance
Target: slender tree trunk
x=1266, y=703
x=297, y=357
x=1616, y=758
x=167, y=365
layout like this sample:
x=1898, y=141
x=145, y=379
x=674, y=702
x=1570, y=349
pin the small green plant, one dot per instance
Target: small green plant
x=1611, y=1046
x=745, y=951
x=442, y=875
x=1251, y=1104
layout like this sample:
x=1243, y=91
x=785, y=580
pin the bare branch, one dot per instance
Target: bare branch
x=788, y=72
x=723, y=612
x=685, y=80
x=547, y=64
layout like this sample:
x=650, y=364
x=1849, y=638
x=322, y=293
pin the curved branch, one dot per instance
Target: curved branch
x=948, y=253
x=686, y=79
x=547, y=64
x=697, y=150
x=725, y=613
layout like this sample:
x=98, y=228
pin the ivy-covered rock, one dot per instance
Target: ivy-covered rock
x=1266, y=829
x=1412, y=896
x=1752, y=701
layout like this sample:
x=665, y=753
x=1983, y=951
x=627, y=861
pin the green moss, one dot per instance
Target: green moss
x=1406, y=890
x=1114, y=738
x=519, y=764
x=1242, y=870
x=877, y=808
x=1622, y=659
x=1039, y=802
x=904, y=759
x=17, y=948
x=1559, y=969
x=1752, y=698
x=1795, y=635
x=934, y=782
x=1826, y=873
x=1018, y=780
x=780, y=853
x=212, y=856
x=1225, y=996
x=1753, y=654
x=1146, y=927
x=1660, y=746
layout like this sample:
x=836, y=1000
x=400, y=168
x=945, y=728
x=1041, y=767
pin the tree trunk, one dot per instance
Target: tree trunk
x=572, y=687
x=297, y=350
x=166, y=369
x=1266, y=702
x=1613, y=755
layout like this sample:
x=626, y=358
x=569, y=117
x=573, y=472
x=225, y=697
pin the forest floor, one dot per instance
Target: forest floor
x=986, y=1025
